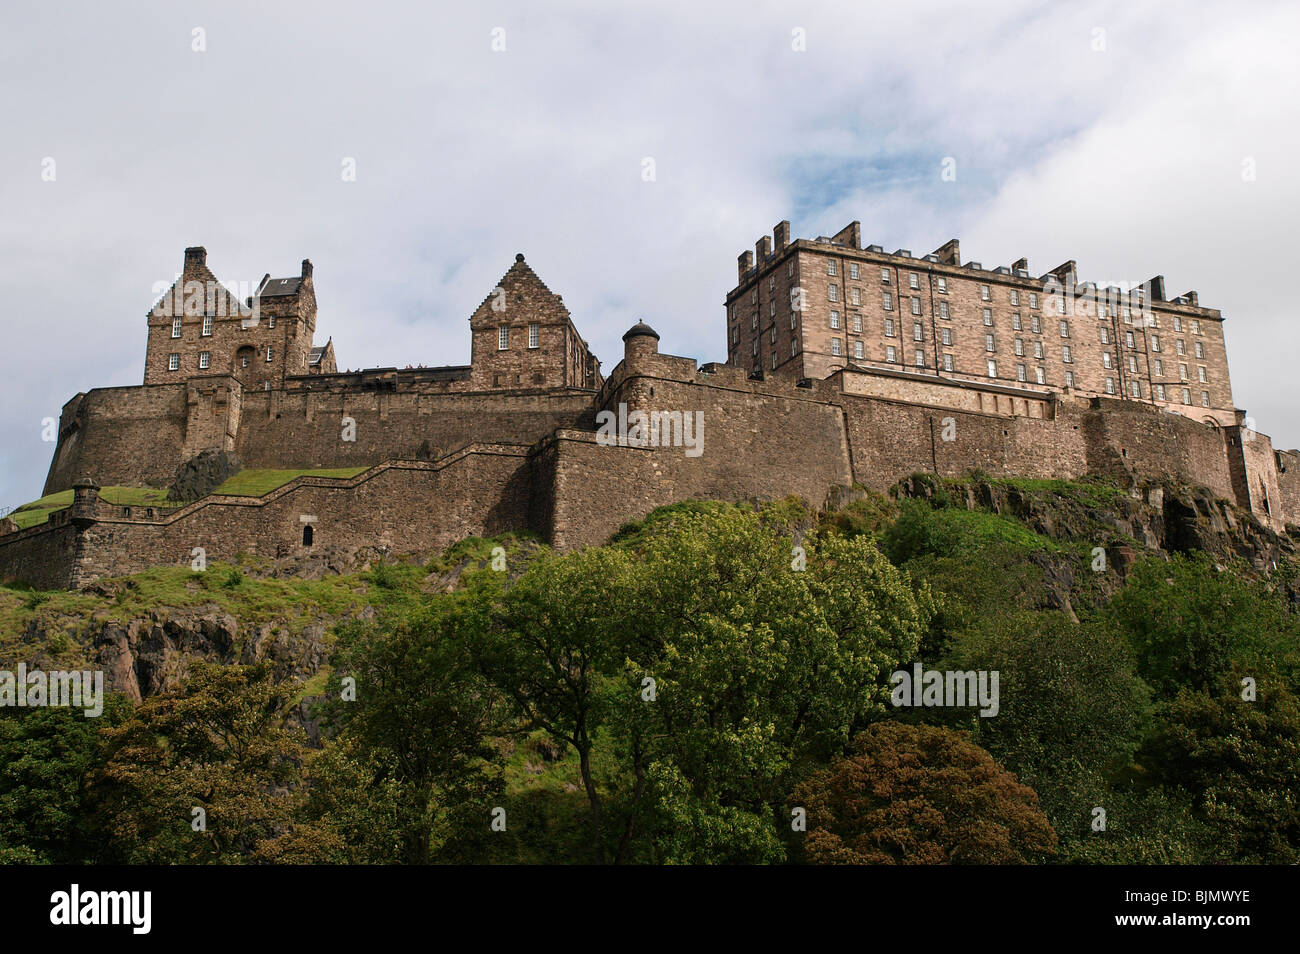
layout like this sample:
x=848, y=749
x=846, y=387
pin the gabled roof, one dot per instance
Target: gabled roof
x=279, y=287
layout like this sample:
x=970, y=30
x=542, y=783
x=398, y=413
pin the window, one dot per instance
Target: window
x=1105, y=360
x=889, y=327
x=1041, y=375
x=243, y=361
x=1020, y=347
x=943, y=309
x=1155, y=342
x=946, y=336
x=1033, y=299
x=1187, y=396
x=1196, y=326
x=1015, y=322
x=270, y=322
x=857, y=323
x=173, y=362
x=1129, y=340
x=1105, y=311
x=830, y=266
x=1020, y=373
x=1015, y=296
x=1135, y=389
x=532, y=334
x=855, y=295
x=993, y=369
x=919, y=358
x=835, y=347
x=753, y=323
x=735, y=336
x=207, y=326
x=1066, y=356
x=1110, y=385
x=1205, y=399
x=1202, y=376
x=857, y=349
x=176, y=327
x=1182, y=372
x=503, y=335
x=1128, y=316
x=789, y=268
x=943, y=285
x=205, y=360
x=1180, y=346
x=1069, y=379
x=794, y=320
x=1160, y=391
x=1065, y=329
x=891, y=354
x=266, y=385
x=853, y=269
x=1035, y=325
x=1038, y=350
x=753, y=348
x=988, y=343
x=888, y=300
x=988, y=316
x=884, y=275
x=270, y=353
x=771, y=309
x=771, y=335
x=1105, y=335
x=916, y=305
x=918, y=332
x=1159, y=367
x=307, y=535
x=1200, y=349
x=773, y=360
x=1178, y=323
x=913, y=280
x=833, y=292
x=984, y=293
x=794, y=347
x=835, y=319
x=1133, y=363
x=771, y=282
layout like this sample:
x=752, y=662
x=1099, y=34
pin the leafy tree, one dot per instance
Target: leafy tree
x=1240, y=761
x=413, y=774
x=1189, y=623
x=219, y=743
x=45, y=756
x=920, y=795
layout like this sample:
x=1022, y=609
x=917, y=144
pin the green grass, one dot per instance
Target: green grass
x=254, y=483
x=38, y=511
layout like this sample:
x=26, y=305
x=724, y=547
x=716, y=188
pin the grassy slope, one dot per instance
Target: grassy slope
x=254, y=483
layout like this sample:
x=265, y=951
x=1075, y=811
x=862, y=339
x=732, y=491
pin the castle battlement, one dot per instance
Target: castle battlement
x=513, y=440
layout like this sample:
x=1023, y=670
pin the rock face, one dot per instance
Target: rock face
x=145, y=656
x=1157, y=518
x=203, y=473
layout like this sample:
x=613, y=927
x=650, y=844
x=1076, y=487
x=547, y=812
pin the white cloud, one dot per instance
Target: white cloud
x=1126, y=160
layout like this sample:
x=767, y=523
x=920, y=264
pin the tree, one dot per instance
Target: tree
x=1240, y=761
x=220, y=745
x=920, y=795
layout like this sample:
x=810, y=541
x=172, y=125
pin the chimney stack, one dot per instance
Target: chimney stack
x=196, y=256
x=949, y=253
x=744, y=262
x=306, y=268
x=781, y=234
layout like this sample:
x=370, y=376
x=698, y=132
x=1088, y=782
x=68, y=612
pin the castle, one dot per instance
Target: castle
x=845, y=365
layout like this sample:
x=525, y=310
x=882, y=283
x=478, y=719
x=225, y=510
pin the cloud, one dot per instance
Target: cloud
x=1126, y=159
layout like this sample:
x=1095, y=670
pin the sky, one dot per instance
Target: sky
x=631, y=151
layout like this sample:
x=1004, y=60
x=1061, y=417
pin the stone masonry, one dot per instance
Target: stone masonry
x=513, y=440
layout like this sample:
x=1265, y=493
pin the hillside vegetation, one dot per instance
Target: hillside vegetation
x=711, y=686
